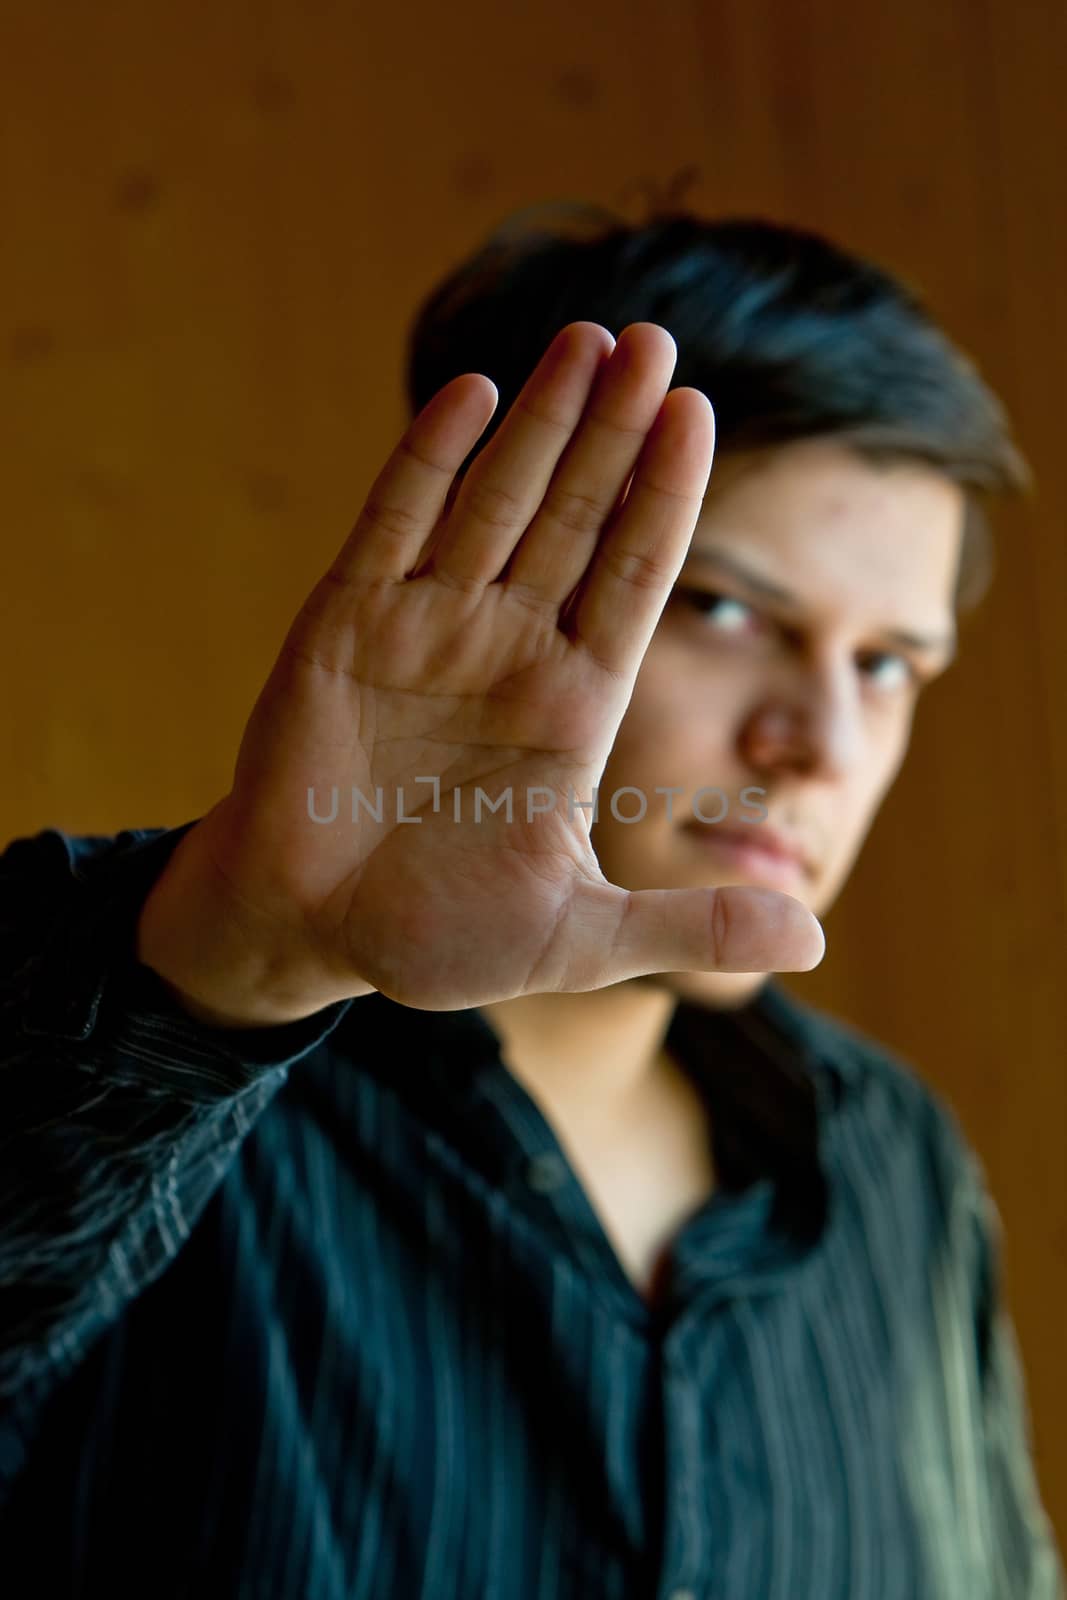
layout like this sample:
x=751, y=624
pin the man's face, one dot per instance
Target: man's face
x=777, y=663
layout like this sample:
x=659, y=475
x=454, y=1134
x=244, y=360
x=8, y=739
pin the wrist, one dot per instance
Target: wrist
x=217, y=963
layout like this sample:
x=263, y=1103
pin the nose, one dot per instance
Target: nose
x=808, y=723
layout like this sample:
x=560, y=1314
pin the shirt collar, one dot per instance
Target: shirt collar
x=772, y=1089
x=768, y=1071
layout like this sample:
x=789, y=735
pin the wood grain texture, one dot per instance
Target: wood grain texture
x=217, y=222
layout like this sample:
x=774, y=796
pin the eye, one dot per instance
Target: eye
x=729, y=615
x=904, y=677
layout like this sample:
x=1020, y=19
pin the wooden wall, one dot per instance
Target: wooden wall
x=217, y=220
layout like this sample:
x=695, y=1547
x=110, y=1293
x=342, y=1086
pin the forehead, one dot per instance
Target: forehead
x=827, y=526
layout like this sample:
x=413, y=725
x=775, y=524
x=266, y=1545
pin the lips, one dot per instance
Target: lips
x=772, y=842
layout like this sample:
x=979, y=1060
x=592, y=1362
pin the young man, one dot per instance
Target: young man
x=416, y=1187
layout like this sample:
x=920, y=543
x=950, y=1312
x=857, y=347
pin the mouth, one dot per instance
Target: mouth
x=753, y=852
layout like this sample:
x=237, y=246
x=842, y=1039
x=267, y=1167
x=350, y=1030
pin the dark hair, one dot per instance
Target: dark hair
x=789, y=336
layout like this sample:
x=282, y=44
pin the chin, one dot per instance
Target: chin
x=720, y=991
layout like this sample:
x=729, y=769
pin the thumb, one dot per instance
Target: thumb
x=611, y=934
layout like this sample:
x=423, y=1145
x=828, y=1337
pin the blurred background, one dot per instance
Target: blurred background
x=217, y=223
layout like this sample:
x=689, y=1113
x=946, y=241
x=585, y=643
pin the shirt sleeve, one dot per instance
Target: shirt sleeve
x=1027, y=1564
x=119, y=1112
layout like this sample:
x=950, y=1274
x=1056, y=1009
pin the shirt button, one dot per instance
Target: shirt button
x=546, y=1172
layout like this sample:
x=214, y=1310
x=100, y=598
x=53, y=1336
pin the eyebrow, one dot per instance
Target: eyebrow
x=725, y=561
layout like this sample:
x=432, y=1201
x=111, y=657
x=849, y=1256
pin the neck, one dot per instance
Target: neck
x=595, y=1052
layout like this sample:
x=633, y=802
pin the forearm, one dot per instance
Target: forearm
x=120, y=1113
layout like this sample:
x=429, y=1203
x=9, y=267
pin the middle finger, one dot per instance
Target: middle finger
x=554, y=552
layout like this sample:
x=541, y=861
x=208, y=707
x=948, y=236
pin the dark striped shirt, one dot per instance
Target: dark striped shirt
x=324, y=1311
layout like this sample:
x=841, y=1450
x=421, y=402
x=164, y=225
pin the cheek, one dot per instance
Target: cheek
x=673, y=713
x=655, y=743
x=887, y=748
x=863, y=807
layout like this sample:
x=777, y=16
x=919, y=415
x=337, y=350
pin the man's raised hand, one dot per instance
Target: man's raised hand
x=487, y=635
